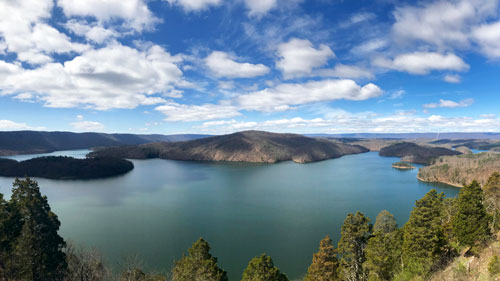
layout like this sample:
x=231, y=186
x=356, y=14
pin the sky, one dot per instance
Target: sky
x=220, y=66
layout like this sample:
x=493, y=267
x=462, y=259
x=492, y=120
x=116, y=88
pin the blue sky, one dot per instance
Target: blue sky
x=219, y=66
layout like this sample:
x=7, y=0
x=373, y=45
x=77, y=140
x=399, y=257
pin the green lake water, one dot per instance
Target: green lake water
x=157, y=210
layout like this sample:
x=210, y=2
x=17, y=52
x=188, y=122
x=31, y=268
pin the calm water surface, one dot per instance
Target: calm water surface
x=284, y=209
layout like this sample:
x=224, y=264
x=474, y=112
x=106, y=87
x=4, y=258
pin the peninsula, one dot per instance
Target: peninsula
x=414, y=153
x=246, y=146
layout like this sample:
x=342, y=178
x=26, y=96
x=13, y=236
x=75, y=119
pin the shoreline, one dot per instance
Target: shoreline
x=404, y=167
x=444, y=182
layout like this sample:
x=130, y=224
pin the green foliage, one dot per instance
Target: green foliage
x=471, y=223
x=198, y=265
x=60, y=167
x=261, y=268
x=325, y=264
x=492, y=199
x=385, y=223
x=35, y=253
x=383, y=251
x=355, y=233
x=423, y=237
x=460, y=272
x=494, y=266
x=136, y=274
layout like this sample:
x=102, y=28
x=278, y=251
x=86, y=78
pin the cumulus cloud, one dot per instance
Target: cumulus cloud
x=135, y=13
x=450, y=104
x=115, y=76
x=8, y=125
x=284, y=96
x=194, y=5
x=341, y=121
x=298, y=57
x=224, y=65
x=260, y=7
x=346, y=71
x=442, y=23
x=93, y=32
x=488, y=38
x=422, y=63
x=190, y=113
x=88, y=126
x=24, y=32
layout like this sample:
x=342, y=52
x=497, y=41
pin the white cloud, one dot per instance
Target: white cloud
x=369, y=46
x=346, y=71
x=8, y=125
x=298, y=57
x=422, y=63
x=340, y=121
x=224, y=65
x=452, y=78
x=93, y=32
x=450, y=104
x=397, y=94
x=135, y=13
x=88, y=126
x=24, y=32
x=488, y=38
x=283, y=96
x=194, y=5
x=79, y=117
x=115, y=76
x=259, y=7
x=190, y=113
x=442, y=23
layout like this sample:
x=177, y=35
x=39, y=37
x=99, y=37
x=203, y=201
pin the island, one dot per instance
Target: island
x=414, y=153
x=61, y=167
x=246, y=146
x=462, y=169
x=401, y=165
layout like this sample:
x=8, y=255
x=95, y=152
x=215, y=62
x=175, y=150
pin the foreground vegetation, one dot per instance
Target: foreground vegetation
x=437, y=231
x=462, y=169
x=60, y=167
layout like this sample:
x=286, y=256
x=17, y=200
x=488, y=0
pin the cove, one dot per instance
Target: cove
x=158, y=209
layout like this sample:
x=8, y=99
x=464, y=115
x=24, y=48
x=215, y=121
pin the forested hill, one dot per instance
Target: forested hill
x=412, y=152
x=24, y=142
x=65, y=167
x=247, y=146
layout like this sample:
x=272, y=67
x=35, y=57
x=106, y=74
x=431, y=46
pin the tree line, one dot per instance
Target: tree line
x=437, y=231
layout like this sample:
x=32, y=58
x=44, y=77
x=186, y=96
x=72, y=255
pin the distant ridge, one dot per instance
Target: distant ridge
x=246, y=146
x=27, y=142
x=450, y=135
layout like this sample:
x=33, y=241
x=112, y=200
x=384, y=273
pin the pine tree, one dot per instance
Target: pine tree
x=325, y=264
x=385, y=223
x=423, y=236
x=383, y=251
x=492, y=199
x=38, y=250
x=471, y=223
x=10, y=228
x=261, y=268
x=198, y=265
x=355, y=233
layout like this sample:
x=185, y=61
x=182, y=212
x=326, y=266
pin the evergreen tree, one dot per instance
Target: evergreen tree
x=471, y=223
x=10, y=228
x=492, y=199
x=383, y=251
x=355, y=233
x=325, y=264
x=198, y=265
x=261, y=268
x=423, y=236
x=38, y=250
x=385, y=223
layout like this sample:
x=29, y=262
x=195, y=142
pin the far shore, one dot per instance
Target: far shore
x=445, y=182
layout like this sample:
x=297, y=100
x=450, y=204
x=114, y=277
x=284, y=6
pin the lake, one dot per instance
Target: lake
x=161, y=207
